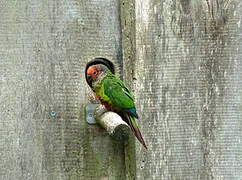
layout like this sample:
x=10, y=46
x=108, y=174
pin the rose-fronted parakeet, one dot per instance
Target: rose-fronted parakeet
x=113, y=93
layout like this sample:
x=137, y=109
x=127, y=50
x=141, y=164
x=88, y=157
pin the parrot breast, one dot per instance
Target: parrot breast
x=103, y=98
x=106, y=104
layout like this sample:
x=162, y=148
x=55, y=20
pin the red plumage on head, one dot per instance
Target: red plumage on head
x=93, y=71
x=102, y=61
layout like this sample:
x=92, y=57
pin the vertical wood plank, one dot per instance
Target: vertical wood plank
x=188, y=89
x=127, y=14
x=43, y=51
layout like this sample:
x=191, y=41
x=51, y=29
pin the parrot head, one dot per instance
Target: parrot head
x=96, y=68
x=95, y=73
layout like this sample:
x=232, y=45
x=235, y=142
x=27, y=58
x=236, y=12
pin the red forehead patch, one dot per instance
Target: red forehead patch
x=91, y=69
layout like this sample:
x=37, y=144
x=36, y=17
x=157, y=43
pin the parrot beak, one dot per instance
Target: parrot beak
x=89, y=80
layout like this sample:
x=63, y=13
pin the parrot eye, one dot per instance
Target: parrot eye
x=95, y=72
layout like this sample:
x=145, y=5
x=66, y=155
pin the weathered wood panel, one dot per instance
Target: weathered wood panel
x=127, y=14
x=187, y=77
x=188, y=88
x=44, y=46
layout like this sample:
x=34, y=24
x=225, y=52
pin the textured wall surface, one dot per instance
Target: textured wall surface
x=188, y=88
x=183, y=59
x=44, y=46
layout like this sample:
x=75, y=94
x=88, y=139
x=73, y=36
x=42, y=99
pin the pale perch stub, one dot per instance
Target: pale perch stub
x=112, y=122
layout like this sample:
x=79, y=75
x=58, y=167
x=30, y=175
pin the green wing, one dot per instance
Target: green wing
x=118, y=93
x=121, y=97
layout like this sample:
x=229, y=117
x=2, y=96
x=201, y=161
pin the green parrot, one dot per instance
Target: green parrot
x=113, y=94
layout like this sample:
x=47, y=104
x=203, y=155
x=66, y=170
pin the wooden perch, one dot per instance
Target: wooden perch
x=112, y=122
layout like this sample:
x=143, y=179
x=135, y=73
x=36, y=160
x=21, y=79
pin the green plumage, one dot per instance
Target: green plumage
x=113, y=90
x=116, y=96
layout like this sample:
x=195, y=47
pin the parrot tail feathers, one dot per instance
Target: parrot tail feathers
x=135, y=129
